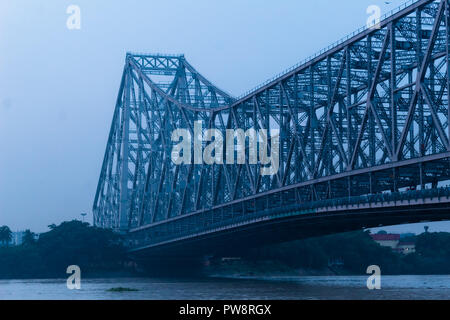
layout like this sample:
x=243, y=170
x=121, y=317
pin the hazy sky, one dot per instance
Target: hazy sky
x=58, y=86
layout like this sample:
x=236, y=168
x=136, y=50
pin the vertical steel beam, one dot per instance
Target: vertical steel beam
x=447, y=52
x=123, y=207
x=393, y=87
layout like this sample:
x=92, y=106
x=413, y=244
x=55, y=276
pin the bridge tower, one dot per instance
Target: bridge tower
x=152, y=89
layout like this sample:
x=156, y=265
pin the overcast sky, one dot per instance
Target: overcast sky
x=58, y=86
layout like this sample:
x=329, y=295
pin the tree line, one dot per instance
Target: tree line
x=357, y=251
x=94, y=250
x=98, y=252
x=6, y=236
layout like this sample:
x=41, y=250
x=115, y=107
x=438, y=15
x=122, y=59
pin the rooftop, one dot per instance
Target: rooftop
x=385, y=237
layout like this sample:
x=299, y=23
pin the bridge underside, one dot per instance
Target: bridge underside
x=235, y=240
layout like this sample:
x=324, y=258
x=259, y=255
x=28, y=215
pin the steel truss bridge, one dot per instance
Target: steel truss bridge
x=364, y=142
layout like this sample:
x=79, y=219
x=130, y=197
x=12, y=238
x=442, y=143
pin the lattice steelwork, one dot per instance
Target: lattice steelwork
x=370, y=115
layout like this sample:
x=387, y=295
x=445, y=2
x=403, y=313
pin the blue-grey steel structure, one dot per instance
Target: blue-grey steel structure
x=364, y=129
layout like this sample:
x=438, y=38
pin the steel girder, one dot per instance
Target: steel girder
x=370, y=115
x=156, y=94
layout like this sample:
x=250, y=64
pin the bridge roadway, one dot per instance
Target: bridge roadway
x=187, y=250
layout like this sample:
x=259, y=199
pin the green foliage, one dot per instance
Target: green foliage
x=28, y=238
x=5, y=235
x=98, y=250
x=432, y=253
x=71, y=243
x=358, y=251
x=433, y=245
x=75, y=243
x=21, y=262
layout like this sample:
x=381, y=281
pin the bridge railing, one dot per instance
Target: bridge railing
x=142, y=239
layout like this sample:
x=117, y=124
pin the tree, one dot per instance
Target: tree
x=5, y=235
x=28, y=238
x=94, y=250
x=76, y=243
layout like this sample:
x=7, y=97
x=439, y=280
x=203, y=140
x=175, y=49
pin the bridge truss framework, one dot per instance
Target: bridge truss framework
x=369, y=116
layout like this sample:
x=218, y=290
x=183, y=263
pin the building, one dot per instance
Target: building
x=387, y=240
x=394, y=242
x=406, y=247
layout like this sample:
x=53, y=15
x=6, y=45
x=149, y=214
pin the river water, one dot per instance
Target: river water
x=278, y=288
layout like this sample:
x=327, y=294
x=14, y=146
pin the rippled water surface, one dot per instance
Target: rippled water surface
x=342, y=287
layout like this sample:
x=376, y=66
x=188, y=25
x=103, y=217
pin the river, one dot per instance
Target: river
x=279, y=288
